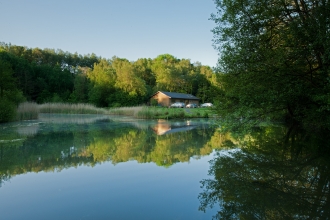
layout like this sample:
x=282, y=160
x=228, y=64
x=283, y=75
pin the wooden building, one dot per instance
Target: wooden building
x=167, y=98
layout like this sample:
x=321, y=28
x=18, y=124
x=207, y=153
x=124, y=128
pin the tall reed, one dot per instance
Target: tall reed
x=67, y=108
x=27, y=111
x=126, y=111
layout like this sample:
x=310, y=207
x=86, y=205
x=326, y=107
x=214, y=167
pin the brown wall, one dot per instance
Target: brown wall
x=164, y=100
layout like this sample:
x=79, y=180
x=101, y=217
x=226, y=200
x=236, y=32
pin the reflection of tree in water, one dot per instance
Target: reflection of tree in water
x=276, y=174
x=145, y=146
x=60, y=146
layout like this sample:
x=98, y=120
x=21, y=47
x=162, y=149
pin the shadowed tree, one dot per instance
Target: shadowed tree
x=271, y=173
x=275, y=60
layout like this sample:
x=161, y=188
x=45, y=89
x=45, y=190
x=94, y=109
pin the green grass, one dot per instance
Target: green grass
x=169, y=113
x=127, y=111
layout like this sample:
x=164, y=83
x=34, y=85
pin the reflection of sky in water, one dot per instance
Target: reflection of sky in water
x=126, y=190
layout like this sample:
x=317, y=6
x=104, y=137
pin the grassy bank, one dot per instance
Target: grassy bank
x=30, y=110
x=126, y=111
x=147, y=112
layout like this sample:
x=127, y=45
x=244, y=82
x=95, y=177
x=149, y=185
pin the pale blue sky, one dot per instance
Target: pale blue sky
x=128, y=29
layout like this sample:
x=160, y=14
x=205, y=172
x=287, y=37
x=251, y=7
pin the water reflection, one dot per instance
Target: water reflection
x=72, y=119
x=272, y=173
x=57, y=143
x=30, y=129
x=165, y=127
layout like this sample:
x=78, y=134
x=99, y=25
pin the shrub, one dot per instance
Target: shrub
x=154, y=102
x=116, y=105
x=7, y=110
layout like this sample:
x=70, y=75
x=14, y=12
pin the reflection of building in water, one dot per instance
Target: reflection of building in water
x=163, y=127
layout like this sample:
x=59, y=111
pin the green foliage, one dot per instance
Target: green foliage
x=102, y=79
x=170, y=113
x=80, y=91
x=205, y=115
x=174, y=75
x=115, y=105
x=7, y=110
x=276, y=61
x=265, y=173
x=153, y=102
x=10, y=96
x=48, y=75
x=7, y=81
x=127, y=79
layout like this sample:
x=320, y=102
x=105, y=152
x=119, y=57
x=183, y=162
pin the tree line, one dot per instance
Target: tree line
x=49, y=75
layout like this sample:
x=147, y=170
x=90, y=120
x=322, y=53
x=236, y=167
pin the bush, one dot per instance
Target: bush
x=154, y=102
x=7, y=110
x=116, y=105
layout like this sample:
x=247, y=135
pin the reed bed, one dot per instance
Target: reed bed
x=67, y=108
x=27, y=111
x=31, y=110
x=126, y=111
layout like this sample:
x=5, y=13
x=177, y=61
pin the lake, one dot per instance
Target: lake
x=101, y=167
x=114, y=167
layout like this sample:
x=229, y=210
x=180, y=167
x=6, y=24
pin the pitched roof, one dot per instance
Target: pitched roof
x=179, y=95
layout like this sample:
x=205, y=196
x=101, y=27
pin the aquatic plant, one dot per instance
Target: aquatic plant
x=68, y=108
x=27, y=111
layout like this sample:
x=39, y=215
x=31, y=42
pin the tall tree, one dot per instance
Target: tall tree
x=143, y=70
x=80, y=91
x=7, y=82
x=127, y=79
x=10, y=96
x=102, y=79
x=275, y=58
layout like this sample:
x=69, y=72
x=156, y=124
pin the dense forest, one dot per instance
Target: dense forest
x=48, y=75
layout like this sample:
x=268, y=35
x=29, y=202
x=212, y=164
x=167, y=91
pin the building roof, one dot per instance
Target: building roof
x=178, y=95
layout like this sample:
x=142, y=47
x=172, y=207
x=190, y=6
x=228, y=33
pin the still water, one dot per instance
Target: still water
x=102, y=167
